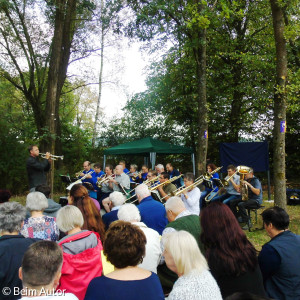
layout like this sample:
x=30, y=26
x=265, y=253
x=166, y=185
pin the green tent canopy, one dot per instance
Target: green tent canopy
x=148, y=146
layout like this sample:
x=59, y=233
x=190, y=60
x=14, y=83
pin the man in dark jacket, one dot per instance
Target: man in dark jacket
x=36, y=169
x=279, y=259
x=12, y=248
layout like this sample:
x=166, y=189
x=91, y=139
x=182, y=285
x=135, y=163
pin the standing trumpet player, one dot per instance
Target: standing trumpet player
x=36, y=169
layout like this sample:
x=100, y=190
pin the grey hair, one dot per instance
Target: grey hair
x=117, y=198
x=12, y=214
x=160, y=166
x=175, y=204
x=68, y=218
x=36, y=201
x=142, y=191
x=128, y=213
x=134, y=166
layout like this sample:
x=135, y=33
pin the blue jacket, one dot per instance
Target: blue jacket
x=153, y=214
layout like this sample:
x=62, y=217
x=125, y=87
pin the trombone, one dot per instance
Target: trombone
x=166, y=182
x=52, y=156
x=180, y=190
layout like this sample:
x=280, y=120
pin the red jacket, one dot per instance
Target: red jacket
x=79, y=269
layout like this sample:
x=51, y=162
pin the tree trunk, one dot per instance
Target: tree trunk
x=279, y=106
x=200, y=55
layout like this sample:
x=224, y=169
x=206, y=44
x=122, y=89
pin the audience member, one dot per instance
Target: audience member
x=130, y=213
x=279, y=259
x=152, y=212
x=231, y=257
x=40, y=272
x=116, y=199
x=124, y=247
x=38, y=225
x=53, y=207
x=183, y=257
x=4, y=196
x=81, y=252
x=12, y=248
x=80, y=198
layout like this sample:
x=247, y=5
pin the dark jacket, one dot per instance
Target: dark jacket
x=12, y=249
x=36, y=171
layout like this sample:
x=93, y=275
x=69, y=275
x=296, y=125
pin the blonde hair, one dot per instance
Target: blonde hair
x=185, y=252
x=68, y=218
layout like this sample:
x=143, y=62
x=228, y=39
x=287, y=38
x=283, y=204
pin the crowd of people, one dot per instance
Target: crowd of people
x=177, y=248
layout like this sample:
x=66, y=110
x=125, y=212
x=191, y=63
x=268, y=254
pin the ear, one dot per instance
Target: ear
x=56, y=279
x=20, y=273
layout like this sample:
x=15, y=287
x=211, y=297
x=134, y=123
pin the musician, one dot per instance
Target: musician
x=166, y=190
x=191, y=197
x=159, y=169
x=98, y=172
x=133, y=172
x=254, y=197
x=173, y=173
x=143, y=176
x=105, y=189
x=151, y=175
x=87, y=169
x=121, y=179
x=233, y=188
x=36, y=170
x=123, y=164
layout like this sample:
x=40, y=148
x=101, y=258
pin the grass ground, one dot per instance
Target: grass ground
x=257, y=236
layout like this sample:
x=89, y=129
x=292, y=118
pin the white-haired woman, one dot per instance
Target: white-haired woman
x=38, y=225
x=130, y=213
x=116, y=199
x=182, y=256
x=81, y=252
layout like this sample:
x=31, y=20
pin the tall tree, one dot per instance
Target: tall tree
x=279, y=104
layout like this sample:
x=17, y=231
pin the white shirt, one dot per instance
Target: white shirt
x=66, y=296
x=192, y=202
x=153, y=251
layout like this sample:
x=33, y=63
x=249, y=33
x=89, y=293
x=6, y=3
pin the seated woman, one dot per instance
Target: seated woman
x=39, y=225
x=81, y=252
x=80, y=198
x=182, y=256
x=231, y=257
x=124, y=247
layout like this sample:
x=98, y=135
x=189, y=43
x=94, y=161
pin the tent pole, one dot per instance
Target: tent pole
x=194, y=165
x=104, y=162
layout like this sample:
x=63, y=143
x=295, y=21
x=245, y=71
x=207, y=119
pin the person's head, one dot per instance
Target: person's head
x=211, y=167
x=124, y=244
x=108, y=170
x=12, y=216
x=4, y=196
x=230, y=170
x=36, y=201
x=123, y=164
x=182, y=253
x=129, y=213
x=189, y=179
x=119, y=170
x=222, y=235
x=145, y=169
x=250, y=174
x=142, y=191
x=86, y=166
x=34, y=150
x=151, y=174
x=133, y=168
x=163, y=177
x=117, y=198
x=77, y=192
x=68, y=218
x=44, y=188
x=41, y=266
x=275, y=219
x=169, y=167
x=174, y=206
x=97, y=168
x=159, y=168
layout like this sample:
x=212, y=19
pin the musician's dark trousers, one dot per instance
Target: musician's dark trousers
x=242, y=205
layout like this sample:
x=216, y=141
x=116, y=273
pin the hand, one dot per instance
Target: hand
x=88, y=176
x=81, y=174
x=47, y=156
x=160, y=188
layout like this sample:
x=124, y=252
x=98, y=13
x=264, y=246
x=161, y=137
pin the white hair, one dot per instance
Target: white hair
x=160, y=166
x=175, y=204
x=185, y=251
x=129, y=213
x=117, y=198
x=12, y=214
x=36, y=201
x=68, y=218
x=142, y=191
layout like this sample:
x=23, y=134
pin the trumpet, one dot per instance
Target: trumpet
x=52, y=156
x=134, y=177
x=105, y=180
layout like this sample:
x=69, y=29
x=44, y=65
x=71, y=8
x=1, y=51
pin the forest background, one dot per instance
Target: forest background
x=218, y=70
